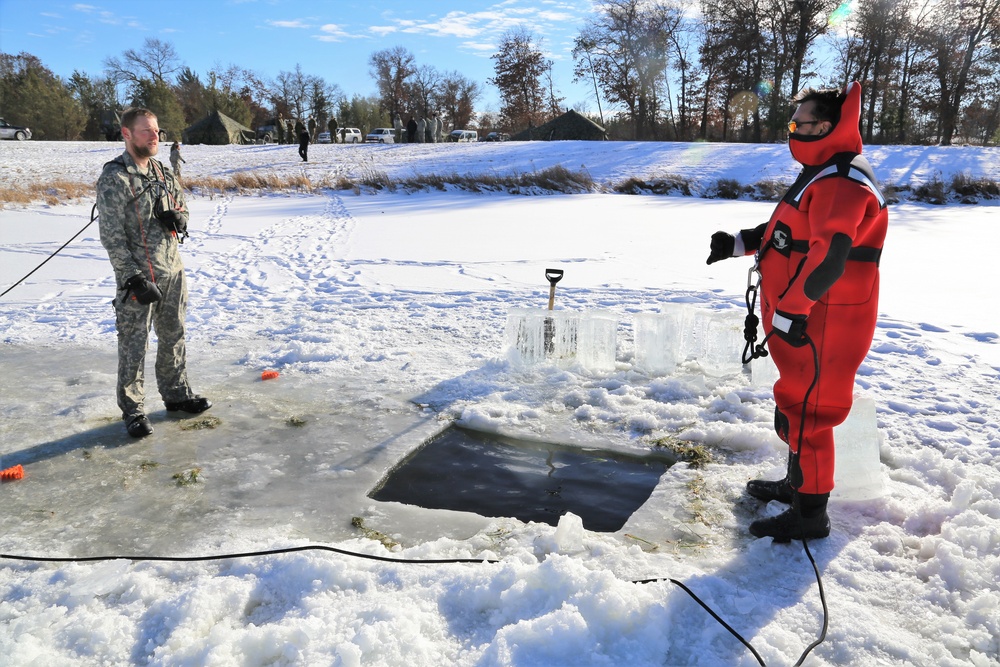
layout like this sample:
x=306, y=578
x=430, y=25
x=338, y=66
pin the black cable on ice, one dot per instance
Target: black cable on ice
x=92, y=218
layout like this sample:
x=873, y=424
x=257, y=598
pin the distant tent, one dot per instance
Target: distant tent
x=217, y=128
x=569, y=126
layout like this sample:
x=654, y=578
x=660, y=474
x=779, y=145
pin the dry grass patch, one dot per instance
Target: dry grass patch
x=769, y=190
x=252, y=181
x=971, y=189
x=52, y=193
x=668, y=184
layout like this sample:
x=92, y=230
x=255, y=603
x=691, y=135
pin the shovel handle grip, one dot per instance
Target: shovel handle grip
x=553, y=276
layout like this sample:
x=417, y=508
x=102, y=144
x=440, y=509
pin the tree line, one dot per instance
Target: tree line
x=676, y=70
x=930, y=68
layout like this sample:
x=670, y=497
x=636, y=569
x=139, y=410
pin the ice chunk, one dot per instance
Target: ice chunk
x=714, y=339
x=526, y=336
x=657, y=340
x=858, y=471
x=763, y=372
x=569, y=534
x=562, y=337
x=597, y=340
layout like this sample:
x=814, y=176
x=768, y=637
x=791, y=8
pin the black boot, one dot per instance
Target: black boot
x=194, y=405
x=138, y=426
x=780, y=490
x=768, y=490
x=806, y=519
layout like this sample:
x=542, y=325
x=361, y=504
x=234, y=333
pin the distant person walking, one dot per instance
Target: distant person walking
x=304, y=145
x=176, y=159
x=143, y=216
x=332, y=127
x=411, y=130
x=312, y=128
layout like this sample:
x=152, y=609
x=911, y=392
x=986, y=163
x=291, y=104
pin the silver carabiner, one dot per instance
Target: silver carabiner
x=753, y=285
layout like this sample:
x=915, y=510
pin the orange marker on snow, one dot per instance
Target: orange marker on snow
x=11, y=474
x=268, y=375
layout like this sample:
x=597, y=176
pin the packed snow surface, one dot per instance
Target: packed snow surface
x=385, y=315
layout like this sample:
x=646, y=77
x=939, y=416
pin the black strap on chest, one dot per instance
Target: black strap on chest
x=856, y=254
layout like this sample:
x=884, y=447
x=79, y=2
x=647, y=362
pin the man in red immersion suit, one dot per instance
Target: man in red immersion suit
x=818, y=259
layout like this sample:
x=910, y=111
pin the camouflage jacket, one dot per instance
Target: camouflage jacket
x=127, y=200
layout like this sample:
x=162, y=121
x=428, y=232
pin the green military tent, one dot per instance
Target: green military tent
x=571, y=125
x=218, y=128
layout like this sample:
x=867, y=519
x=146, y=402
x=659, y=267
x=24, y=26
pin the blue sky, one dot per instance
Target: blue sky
x=332, y=39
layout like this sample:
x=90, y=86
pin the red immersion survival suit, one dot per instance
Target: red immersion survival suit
x=819, y=258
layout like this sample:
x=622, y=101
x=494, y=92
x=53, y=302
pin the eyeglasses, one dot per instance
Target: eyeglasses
x=794, y=124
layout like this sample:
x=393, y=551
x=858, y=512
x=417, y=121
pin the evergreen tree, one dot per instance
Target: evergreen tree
x=159, y=97
x=96, y=98
x=35, y=97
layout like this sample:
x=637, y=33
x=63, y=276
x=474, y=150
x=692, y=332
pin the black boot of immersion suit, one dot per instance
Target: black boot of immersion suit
x=806, y=518
x=768, y=490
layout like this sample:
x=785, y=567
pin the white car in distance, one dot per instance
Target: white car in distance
x=381, y=135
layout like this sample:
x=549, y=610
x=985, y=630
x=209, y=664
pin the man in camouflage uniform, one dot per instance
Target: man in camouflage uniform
x=142, y=218
x=176, y=159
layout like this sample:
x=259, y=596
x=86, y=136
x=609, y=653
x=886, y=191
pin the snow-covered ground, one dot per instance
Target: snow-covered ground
x=385, y=316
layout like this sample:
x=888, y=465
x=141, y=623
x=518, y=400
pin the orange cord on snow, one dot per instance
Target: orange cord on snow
x=11, y=474
x=268, y=375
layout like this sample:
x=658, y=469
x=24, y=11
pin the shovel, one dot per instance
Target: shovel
x=553, y=276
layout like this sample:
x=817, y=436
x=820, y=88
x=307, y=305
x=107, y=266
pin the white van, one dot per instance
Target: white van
x=381, y=135
x=350, y=135
x=463, y=135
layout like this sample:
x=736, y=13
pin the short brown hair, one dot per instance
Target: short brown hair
x=131, y=114
x=826, y=102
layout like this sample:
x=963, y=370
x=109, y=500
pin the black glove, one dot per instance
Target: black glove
x=174, y=221
x=170, y=217
x=144, y=291
x=723, y=245
x=790, y=328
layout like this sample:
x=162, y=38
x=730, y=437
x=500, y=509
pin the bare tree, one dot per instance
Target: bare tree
x=458, y=99
x=519, y=66
x=424, y=89
x=291, y=90
x=583, y=67
x=553, y=101
x=809, y=21
x=392, y=70
x=681, y=47
x=625, y=45
x=961, y=34
x=156, y=61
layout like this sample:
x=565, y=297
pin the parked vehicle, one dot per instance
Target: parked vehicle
x=267, y=133
x=350, y=135
x=323, y=138
x=111, y=127
x=463, y=135
x=381, y=135
x=497, y=136
x=8, y=131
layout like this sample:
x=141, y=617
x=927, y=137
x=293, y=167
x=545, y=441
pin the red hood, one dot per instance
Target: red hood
x=845, y=137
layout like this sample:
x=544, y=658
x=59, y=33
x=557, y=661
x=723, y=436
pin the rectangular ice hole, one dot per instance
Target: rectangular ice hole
x=497, y=476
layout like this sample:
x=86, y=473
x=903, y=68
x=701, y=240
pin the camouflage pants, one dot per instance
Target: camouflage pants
x=177, y=169
x=133, y=322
